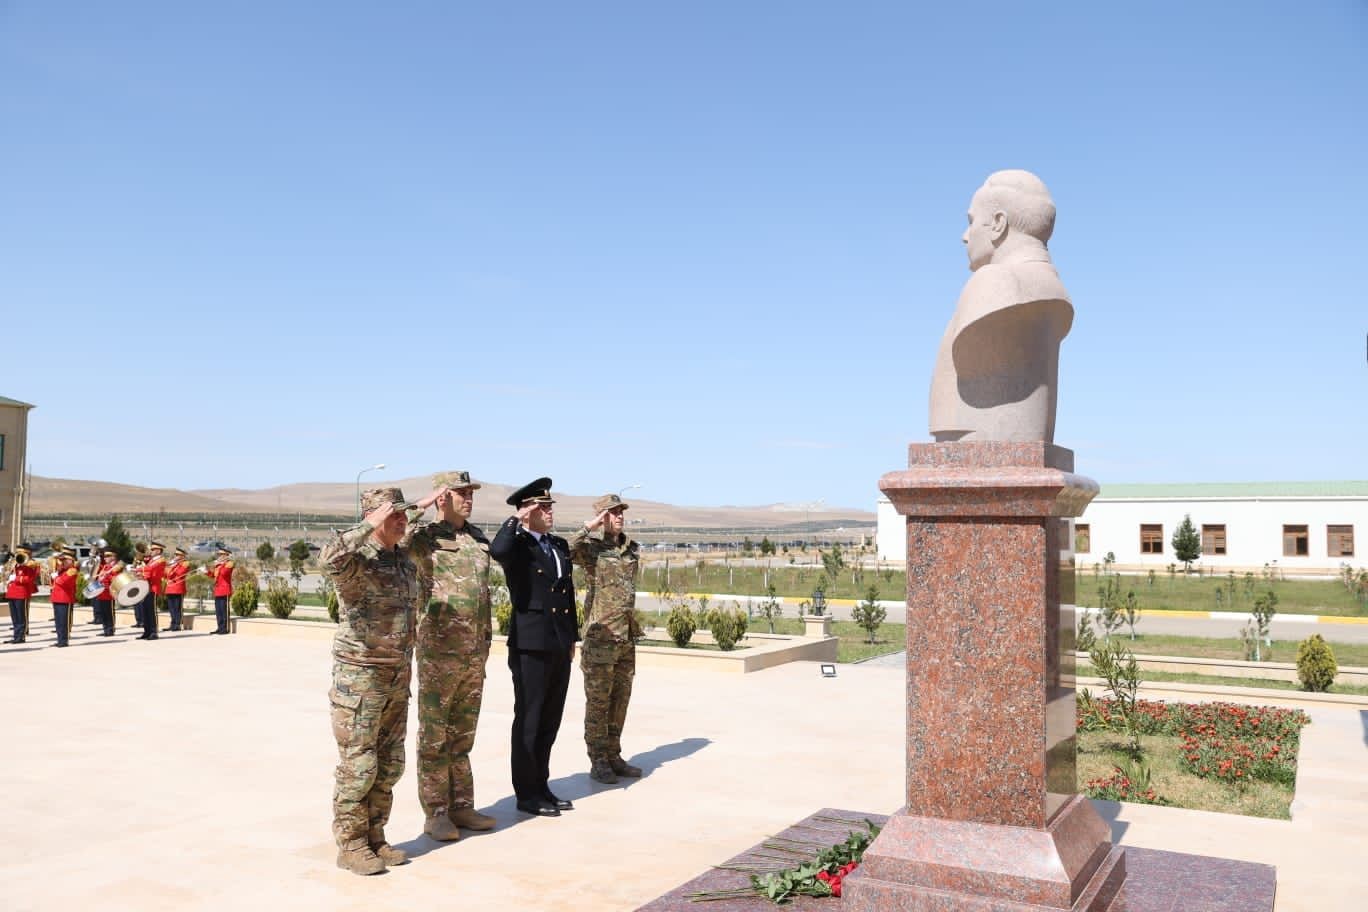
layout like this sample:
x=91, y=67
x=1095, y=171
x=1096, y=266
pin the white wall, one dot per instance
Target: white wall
x=1254, y=530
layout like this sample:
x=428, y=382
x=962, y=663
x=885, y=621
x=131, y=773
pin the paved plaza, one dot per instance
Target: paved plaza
x=196, y=773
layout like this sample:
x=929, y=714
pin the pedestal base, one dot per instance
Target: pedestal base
x=1156, y=881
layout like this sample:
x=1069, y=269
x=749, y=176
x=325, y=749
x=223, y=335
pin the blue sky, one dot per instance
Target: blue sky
x=708, y=247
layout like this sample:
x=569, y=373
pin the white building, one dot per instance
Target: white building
x=1301, y=526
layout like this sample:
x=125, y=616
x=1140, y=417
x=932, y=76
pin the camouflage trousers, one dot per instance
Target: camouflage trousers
x=608, y=669
x=369, y=721
x=450, y=690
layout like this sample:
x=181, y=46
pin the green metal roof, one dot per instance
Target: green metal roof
x=1238, y=489
x=4, y=401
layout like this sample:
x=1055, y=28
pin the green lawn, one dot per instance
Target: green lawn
x=854, y=642
x=1351, y=654
x=1164, y=592
x=1100, y=751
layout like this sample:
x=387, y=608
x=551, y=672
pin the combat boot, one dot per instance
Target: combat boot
x=356, y=856
x=471, y=819
x=441, y=828
x=602, y=771
x=623, y=768
x=381, y=847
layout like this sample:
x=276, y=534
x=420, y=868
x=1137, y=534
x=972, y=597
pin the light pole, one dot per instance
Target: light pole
x=628, y=488
x=378, y=465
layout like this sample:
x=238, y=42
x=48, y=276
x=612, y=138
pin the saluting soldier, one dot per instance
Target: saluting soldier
x=377, y=593
x=454, y=634
x=64, y=577
x=177, y=572
x=610, y=560
x=541, y=640
x=20, y=584
x=154, y=571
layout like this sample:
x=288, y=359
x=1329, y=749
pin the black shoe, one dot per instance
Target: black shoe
x=60, y=645
x=538, y=808
x=152, y=637
x=12, y=640
x=559, y=803
x=107, y=633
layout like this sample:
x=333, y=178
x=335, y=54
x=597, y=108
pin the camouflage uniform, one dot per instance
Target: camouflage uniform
x=607, y=656
x=454, y=632
x=377, y=591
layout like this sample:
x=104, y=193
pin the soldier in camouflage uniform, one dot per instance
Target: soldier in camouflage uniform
x=377, y=591
x=454, y=633
x=609, y=560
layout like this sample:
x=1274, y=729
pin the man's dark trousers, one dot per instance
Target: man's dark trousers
x=541, y=680
x=221, y=613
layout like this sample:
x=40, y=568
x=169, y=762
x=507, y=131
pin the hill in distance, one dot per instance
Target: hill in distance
x=70, y=496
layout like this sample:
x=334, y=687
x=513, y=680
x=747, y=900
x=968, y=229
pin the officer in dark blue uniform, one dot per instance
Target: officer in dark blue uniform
x=541, y=639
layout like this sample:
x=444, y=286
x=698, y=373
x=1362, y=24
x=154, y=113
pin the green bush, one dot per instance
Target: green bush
x=246, y=591
x=503, y=615
x=681, y=625
x=1316, y=667
x=727, y=627
x=281, y=598
x=197, y=587
x=334, y=607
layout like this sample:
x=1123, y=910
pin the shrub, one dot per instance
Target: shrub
x=246, y=591
x=281, y=598
x=727, y=627
x=334, y=606
x=681, y=625
x=869, y=614
x=1316, y=667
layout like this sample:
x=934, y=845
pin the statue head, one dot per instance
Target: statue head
x=1011, y=209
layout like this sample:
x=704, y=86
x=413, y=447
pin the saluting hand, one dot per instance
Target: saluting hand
x=597, y=521
x=525, y=512
x=381, y=513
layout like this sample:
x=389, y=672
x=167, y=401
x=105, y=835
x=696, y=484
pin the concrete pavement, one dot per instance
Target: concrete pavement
x=195, y=773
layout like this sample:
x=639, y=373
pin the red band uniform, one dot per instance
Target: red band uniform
x=21, y=583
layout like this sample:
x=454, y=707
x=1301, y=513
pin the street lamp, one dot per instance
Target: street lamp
x=378, y=465
x=628, y=488
x=818, y=601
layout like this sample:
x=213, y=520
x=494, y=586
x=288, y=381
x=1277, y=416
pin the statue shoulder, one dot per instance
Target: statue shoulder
x=998, y=286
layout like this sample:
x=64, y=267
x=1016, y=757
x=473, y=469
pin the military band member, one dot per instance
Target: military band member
x=454, y=634
x=541, y=640
x=609, y=560
x=139, y=561
x=177, y=572
x=110, y=567
x=222, y=573
x=20, y=584
x=154, y=571
x=377, y=593
x=64, y=576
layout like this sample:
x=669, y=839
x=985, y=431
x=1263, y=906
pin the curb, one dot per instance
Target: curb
x=1262, y=693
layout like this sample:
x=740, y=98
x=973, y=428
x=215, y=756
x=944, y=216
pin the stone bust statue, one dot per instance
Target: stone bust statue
x=998, y=365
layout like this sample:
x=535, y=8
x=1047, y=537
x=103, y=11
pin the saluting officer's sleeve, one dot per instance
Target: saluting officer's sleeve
x=339, y=556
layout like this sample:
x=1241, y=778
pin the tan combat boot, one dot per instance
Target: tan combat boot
x=623, y=768
x=356, y=856
x=471, y=819
x=601, y=771
x=381, y=847
x=441, y=828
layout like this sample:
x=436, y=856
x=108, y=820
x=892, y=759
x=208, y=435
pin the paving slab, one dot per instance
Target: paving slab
x=195, y=772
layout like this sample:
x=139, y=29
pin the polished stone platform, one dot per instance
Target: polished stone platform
x=1157, y=881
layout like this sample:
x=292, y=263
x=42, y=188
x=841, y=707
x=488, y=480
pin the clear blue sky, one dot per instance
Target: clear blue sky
x=710, y=247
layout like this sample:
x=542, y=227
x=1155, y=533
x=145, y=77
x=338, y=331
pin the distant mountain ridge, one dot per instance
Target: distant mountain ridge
x=63, y=495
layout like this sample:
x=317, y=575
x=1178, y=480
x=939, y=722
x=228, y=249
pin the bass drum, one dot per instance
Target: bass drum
x=92, y=589
x=128, y=589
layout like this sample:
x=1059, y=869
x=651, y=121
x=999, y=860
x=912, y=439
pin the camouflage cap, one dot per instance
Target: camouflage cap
x=458, y=479
x=377, y=496
x=538, y=491
x=609, y=502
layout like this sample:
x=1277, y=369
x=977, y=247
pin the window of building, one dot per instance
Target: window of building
x=1082, y=538
x=1296, y=541
x=2, y=452
x=1151, y=538
x=1339, y=541
x=1213, y=539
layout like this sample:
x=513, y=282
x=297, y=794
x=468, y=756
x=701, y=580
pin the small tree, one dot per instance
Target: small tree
x=771, y=609
x=117, y=538
x=281, y=598
x=833, y=561
x=246, y=591
x=1187, y=544
x=1117, y=666
x=1265, y=606
x=869, y=614
x=1110, y=607
x=1316, y=666
x=766, y=547
x=265, y=551
x=680, y=625
x=1131, y=612
x=299, y=553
